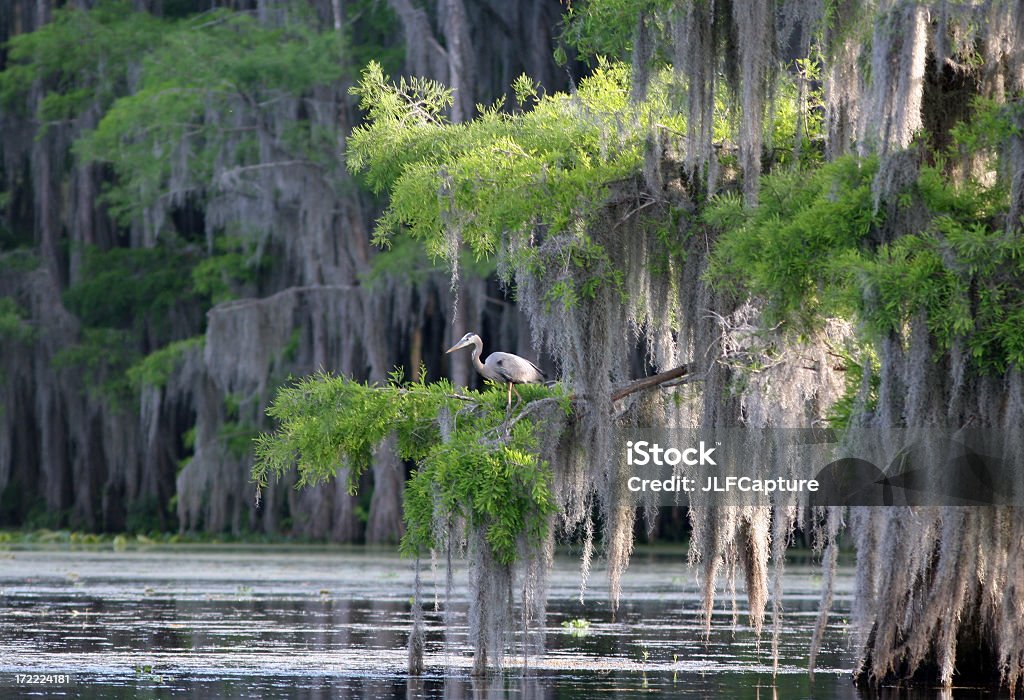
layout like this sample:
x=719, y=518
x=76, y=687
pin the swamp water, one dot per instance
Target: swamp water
x=312, y=622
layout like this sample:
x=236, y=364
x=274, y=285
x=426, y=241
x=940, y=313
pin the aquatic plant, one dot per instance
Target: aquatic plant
x=577, y=625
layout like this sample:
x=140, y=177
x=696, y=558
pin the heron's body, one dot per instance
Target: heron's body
x=503, y=367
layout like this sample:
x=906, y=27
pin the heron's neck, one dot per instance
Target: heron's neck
x=478, y=350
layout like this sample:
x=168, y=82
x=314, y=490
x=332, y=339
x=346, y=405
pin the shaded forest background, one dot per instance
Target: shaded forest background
x=180, y=236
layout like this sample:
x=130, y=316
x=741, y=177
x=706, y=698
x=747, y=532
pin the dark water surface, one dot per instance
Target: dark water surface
x=318, y=622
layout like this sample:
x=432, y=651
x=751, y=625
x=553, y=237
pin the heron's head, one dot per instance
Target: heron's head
x=466, y=340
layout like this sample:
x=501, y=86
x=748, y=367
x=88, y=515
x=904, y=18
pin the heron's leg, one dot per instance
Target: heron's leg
x=519, y=397
x=508, y=404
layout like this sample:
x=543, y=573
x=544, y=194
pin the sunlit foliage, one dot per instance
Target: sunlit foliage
x=473, y=461
x=818, y=247
x=545, y=164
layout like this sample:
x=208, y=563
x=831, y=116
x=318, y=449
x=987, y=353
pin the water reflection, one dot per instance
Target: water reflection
x=318, y=623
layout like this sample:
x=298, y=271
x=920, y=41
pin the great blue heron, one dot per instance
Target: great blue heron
x=502, y=367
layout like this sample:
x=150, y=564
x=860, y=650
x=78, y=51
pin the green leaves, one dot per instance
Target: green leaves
x=124, y=287
x=607, y=27
x=187, y=113
x=101, y=356
x=791, y=249
x=205, y=90
x=157, y=367
x=14, y=325
x=80, y=58
x=992, y=123
x=124, y=296
x=234, y=264
x=502, y=174
x=812, y=250
x=482, y=467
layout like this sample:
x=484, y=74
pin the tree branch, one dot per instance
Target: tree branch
x=637, y=385
x=649, y=382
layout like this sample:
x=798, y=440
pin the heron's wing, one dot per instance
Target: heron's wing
x=512, y=368
x=538, y=370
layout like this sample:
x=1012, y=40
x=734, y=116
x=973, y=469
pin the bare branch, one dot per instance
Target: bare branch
x=649, y=382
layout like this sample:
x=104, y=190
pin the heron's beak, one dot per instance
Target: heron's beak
x=460, y=344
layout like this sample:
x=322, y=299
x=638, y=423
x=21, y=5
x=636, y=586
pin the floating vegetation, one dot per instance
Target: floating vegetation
x=577, y=627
